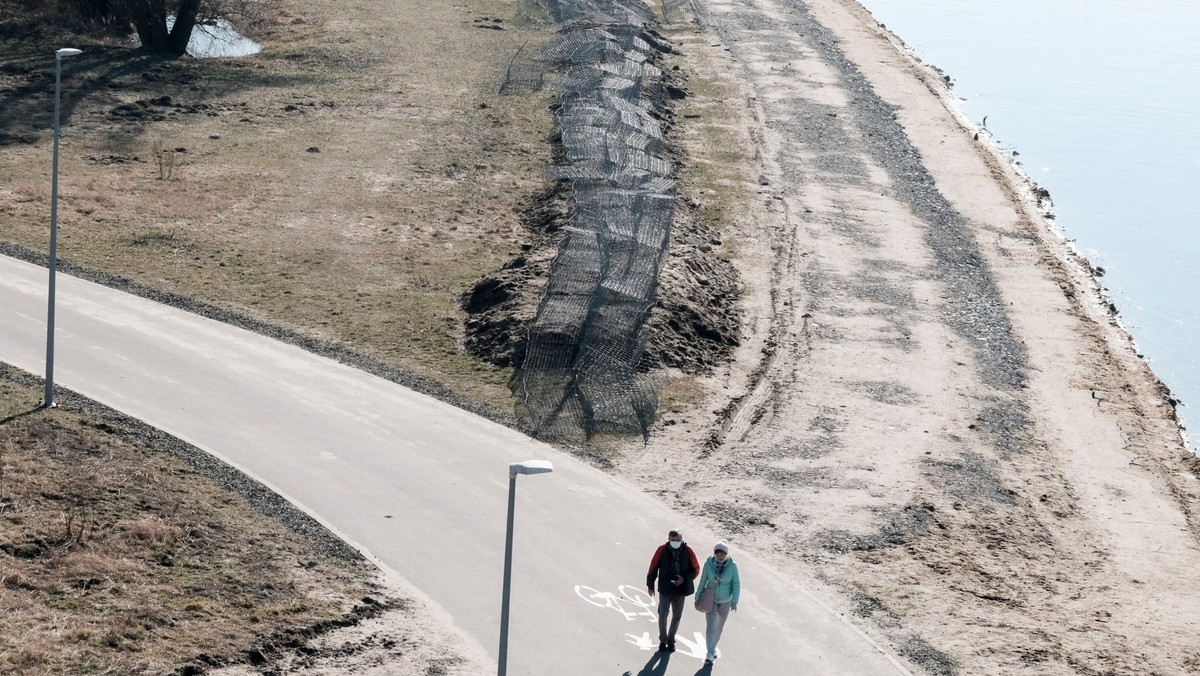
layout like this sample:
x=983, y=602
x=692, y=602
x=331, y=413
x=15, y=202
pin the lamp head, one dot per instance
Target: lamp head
x=530, y=467
x=67, y=51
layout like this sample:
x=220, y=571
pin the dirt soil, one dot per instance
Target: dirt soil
x=928, y=411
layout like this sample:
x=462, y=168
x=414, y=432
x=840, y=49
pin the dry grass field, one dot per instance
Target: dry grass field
x=119, y=557
x=347, y=184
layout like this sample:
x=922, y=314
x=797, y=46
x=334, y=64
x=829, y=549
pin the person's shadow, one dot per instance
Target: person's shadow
x=657, y=666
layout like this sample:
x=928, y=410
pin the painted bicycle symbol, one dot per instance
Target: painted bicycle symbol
x=633, y=603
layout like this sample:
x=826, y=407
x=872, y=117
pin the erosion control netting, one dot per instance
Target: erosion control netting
x=580, y=368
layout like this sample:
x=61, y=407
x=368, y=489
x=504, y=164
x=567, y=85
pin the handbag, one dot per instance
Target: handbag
x=705, y=603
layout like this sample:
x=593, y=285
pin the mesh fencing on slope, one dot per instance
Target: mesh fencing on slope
x=580, y=369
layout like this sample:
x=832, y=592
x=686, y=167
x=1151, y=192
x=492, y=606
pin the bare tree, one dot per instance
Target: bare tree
x=149, y=18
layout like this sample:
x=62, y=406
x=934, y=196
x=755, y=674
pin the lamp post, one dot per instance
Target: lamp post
x=48, y=397
x=527, y=467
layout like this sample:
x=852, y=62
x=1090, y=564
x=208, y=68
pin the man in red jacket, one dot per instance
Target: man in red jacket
x=675, y=567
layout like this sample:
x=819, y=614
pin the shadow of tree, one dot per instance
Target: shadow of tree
x=96, y=77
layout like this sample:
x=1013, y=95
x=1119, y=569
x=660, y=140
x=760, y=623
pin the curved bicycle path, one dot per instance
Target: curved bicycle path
x=421, y=487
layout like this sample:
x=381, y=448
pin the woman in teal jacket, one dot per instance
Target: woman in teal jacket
x=719, y=572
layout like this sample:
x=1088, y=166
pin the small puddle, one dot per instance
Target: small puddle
x=214, y=39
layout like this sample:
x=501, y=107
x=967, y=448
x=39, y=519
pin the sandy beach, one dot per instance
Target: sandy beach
x=933, y=412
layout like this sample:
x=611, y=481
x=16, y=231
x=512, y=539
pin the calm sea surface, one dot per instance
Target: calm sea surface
x=1101, y=99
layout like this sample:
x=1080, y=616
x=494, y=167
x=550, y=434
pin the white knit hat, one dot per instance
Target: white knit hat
x=721, y=547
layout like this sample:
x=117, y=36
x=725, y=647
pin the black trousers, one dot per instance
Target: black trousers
x=672, y=603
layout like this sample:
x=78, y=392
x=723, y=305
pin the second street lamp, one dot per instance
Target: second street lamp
x=527, y=467
x=48, y=397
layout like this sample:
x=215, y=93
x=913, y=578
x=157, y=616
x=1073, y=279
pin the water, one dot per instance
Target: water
x=1099, y=97
x=210, y=40
x=218, y=39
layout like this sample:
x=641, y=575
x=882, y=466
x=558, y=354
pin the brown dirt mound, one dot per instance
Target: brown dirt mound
x=693, y=326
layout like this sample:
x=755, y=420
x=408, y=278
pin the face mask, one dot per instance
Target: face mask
x=676, y=544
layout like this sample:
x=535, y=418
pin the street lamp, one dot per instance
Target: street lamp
x=527, y=467
x=48, y=397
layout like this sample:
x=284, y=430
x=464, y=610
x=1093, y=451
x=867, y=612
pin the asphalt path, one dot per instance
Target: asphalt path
x=421, y=488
